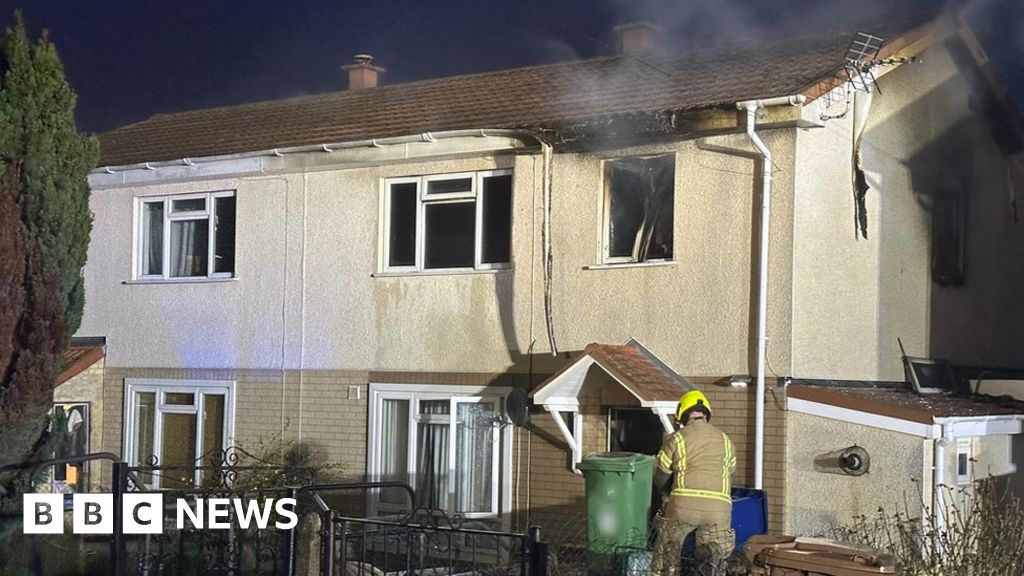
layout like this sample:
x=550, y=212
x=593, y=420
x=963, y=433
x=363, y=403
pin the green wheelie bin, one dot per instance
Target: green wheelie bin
x=618, y=495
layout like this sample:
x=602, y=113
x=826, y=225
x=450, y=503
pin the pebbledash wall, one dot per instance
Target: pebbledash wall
x=923, y=135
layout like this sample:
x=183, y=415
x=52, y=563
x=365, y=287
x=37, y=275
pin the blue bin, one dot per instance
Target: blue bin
x=749, y=514
x=749, y=517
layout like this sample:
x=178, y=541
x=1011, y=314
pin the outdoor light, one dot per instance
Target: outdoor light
x=739, y=381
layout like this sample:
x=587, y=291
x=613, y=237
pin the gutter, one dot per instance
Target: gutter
x=751, y=107
x=428, y=137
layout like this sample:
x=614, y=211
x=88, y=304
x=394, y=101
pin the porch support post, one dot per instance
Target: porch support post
x=573, y=438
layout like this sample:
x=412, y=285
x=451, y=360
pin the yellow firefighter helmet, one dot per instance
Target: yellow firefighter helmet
x=690, y=401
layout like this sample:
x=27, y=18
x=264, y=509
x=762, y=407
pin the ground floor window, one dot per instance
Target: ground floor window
x=449, y=444
x=178, y=426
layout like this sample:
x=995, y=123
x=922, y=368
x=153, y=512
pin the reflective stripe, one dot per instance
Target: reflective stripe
x=725, y=464
x=681, y=471
x=664, y=462
x=709, y=494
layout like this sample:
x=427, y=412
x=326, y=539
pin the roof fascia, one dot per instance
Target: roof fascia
x=862, y=418
x=358, y=154
x=838, y=399
x=635, y=128
x=906, y=45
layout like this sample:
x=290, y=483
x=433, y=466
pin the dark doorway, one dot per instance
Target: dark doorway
x=634, y=430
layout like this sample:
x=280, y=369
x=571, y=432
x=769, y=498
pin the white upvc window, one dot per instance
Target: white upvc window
x=450, y=444
x=448, y=222
x=178, y=426
x=638, y=205
x=186, y=236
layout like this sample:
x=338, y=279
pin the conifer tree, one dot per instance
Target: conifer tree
x=44, y=231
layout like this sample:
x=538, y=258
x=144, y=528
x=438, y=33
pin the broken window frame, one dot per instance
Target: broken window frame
x=639, y=255
x=424, y=199
x=207, y=214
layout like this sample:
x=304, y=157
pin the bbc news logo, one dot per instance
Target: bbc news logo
x=144, y=513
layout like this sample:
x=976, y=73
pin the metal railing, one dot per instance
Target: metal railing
x=421, y=541
x=426, y=542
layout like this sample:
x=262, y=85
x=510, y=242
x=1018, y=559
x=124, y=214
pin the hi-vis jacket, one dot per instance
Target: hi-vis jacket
x=702, y=461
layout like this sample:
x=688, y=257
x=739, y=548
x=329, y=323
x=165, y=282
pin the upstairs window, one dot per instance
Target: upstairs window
x=639, y=196
x=189, y=236
x=448, y=222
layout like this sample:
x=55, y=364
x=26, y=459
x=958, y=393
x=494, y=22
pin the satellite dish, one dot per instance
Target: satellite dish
x=855, y=461
x=518, y=406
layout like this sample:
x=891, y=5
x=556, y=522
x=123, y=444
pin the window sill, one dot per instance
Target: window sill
x=444, y=272
x=612, y=266
x=197, y=280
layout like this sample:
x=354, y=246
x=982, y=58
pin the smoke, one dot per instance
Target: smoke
x=695, y=24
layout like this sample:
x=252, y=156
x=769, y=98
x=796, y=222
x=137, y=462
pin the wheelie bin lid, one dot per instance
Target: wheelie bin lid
x=616, y=462
x=829, y=559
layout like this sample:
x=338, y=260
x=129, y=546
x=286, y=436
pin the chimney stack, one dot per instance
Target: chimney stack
x=362, y=73
x=637, y=38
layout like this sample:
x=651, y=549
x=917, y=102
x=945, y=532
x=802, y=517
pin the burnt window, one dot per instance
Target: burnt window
x=449, y=222
x=639, y=197
x=949, y=234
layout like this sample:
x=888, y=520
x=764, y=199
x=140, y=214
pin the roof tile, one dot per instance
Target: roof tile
x=546, y=96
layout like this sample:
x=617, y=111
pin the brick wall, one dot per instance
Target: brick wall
x=317, y=407
x=551, y=485
x=313, y=407
x=734, y=415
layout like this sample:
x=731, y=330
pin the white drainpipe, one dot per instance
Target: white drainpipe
x=938, y=484
x=751, y=106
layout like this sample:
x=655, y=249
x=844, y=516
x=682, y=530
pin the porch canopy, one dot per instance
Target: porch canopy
x=629, y=374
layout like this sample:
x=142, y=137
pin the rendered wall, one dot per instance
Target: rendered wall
x=927, y=133
x=818, y=501
x=306, y=297
x=852, y=298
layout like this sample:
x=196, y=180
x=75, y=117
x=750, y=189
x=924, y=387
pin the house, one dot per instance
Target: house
x=374, y=271
x=78, y=399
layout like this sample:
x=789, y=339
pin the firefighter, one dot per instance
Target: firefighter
x=694, y=466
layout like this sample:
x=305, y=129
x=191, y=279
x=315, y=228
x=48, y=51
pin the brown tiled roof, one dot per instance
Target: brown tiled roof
x=903, y=403
x=546, y=96
x=76, y=360
x=640, y=371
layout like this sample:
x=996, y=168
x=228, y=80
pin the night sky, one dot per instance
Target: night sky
x=128, y=60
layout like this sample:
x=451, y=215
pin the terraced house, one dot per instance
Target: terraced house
x=375, y=271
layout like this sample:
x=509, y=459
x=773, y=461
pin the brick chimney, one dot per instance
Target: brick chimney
x=637, y=38
x=362, y=73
